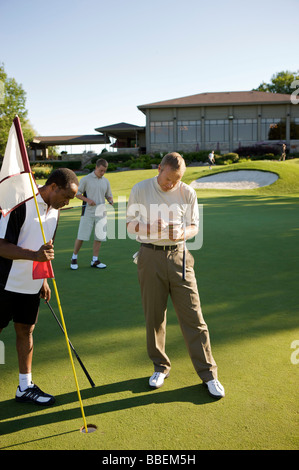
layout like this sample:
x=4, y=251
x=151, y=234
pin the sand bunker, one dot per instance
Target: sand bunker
x=238, y=179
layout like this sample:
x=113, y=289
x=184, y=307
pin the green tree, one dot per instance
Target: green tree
x=12, y=102
x=281, y=82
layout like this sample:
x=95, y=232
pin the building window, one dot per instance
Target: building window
x=189, y=131
x=273, y=129
x=216, y=130
x=245, y=129
x=161, y=132
x=294, y=131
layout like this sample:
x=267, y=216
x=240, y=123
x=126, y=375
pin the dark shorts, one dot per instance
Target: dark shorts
x=21, y=308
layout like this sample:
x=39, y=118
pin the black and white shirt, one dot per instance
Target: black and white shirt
x=21, y=227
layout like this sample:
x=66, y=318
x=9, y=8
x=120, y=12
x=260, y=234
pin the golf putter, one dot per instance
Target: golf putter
x=72, y=347
x=184, y=254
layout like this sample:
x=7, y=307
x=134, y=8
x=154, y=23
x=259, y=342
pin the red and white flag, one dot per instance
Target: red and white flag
x=15, y=185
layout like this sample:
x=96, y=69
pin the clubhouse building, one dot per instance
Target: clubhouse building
x=223, y=121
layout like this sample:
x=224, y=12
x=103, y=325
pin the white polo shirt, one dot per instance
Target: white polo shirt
x=148, y=202
x=21, y=227
x=95, y=188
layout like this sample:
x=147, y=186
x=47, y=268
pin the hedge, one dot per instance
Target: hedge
x=42, y=169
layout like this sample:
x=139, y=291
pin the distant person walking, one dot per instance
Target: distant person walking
x=211, y=158
x=93, y=190
x=283, y=154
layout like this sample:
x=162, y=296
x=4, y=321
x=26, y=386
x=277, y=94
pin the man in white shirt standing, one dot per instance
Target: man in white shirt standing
x=162, y=212
x=93, y=190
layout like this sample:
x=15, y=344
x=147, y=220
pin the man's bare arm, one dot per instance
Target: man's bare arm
x=10, y=251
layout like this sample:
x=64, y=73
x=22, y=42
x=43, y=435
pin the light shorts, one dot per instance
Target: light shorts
x=89, y=222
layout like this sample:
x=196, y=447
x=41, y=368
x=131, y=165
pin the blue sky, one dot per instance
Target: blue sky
x=87, y=63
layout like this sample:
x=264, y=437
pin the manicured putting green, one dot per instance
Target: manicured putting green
x=247, y=272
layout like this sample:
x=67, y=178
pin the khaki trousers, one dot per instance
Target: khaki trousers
x=160, y=275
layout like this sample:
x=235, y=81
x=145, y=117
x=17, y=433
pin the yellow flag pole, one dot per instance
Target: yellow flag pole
x=60, y=311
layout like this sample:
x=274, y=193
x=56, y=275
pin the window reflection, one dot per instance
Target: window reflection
x=245, y=129
x=161, y=132
x=216, y=130
x=189, y=131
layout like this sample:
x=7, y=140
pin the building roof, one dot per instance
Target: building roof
x=221, y=99
x=39, y=141
x=120, y=129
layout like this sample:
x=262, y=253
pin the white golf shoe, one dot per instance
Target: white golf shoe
x=215, y=389
x=35, y=395
x=98, y=264
x=157, y=379
x=74, y=264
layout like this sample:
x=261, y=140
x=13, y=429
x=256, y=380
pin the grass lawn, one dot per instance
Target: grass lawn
x=247, y=272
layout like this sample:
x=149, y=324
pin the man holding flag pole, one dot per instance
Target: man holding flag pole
x=28, y=217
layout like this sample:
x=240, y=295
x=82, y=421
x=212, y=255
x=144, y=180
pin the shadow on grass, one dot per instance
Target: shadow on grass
x=38, y=439
x=16, y=412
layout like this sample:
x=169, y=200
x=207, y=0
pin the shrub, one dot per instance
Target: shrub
x=257, y=150
x=234, y=157
x=226, y=159
x=113, y=157
x=111, y=167
x=71, y=164
x=200, y=156
x=90, y=167
x=266, y=156
x=41, y=171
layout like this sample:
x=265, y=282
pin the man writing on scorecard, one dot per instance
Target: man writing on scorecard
x=162, y=213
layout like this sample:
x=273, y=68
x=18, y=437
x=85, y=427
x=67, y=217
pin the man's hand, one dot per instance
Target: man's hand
x=90, y=202
x=46, y=252
x=175, y=232
x=45, y=292
x=10, y=251
x=157, y=228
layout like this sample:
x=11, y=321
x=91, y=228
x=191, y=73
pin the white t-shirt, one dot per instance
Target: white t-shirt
x=94, y=188
x=148, y=202
x=22, y=228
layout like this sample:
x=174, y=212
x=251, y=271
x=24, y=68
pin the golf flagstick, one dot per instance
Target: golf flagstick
x=184, y=254
x=60, y=309
x=76, y=354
